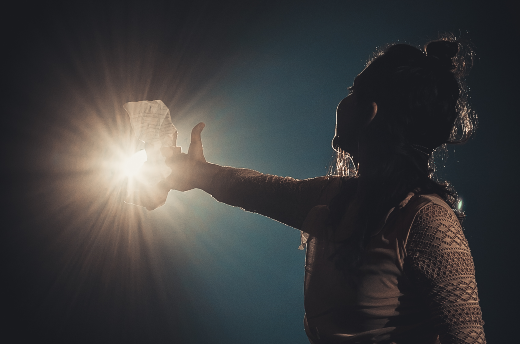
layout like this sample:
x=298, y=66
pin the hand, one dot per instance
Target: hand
x=150, y=197
x=185, y=167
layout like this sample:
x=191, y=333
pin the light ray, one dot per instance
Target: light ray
x=133, y=164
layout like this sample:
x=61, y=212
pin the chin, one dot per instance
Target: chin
x=336, y=143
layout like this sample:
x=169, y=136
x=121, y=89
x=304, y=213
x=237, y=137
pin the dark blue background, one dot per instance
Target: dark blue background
x=265, y=77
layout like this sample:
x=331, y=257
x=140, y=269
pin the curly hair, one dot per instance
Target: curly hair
x=422, y=105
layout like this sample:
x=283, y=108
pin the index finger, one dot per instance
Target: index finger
x=174, y=139
x=170, y=151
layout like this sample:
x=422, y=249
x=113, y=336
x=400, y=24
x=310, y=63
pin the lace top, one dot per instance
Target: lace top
x=417, y=287
x=439, y=259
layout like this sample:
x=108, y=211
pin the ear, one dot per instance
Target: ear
x=373, y=111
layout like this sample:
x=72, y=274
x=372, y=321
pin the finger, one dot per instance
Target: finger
x=195, y=149
x=157, y=196
x=149, y=147
x=173, y=150
x=168, y=152
x=195, y=132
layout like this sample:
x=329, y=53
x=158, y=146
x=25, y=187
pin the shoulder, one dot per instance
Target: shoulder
x=439, y=263
x=435, y=226
x=437, y=248
x=330, y=187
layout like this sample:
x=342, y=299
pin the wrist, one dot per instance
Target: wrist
x=205, y=173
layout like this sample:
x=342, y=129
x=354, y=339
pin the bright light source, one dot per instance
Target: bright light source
x=133, y=163
x=459, y=205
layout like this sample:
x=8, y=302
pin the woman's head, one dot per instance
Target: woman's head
x=402, y=106
x=352, y=117
x=406, y=98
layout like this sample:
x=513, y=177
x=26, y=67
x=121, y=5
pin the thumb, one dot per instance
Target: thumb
x=195, y=150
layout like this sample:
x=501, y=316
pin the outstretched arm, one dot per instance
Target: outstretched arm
x=284, y=199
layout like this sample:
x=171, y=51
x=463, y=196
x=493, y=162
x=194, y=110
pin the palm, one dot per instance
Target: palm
x=183, y=165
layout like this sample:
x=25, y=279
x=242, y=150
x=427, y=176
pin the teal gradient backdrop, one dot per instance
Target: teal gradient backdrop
x=266, y=78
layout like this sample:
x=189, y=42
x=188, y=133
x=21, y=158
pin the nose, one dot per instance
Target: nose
x=342, y=106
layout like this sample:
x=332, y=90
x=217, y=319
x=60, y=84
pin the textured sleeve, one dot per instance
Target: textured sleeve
x=440, y=262
x=284, y=199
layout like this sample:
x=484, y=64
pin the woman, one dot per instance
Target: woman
x=386, y=260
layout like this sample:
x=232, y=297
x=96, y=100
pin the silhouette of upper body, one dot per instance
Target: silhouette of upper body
x=386, y=257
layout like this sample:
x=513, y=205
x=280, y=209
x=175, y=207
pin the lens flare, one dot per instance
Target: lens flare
x=459, y=205
x=132, y=165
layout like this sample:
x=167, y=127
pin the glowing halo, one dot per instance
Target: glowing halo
x=460, y=204
x=132, y=165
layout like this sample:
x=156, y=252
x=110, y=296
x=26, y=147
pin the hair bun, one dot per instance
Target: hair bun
x=444, y=51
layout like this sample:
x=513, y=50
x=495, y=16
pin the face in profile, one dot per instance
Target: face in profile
x=345, y=136
x=352, y=118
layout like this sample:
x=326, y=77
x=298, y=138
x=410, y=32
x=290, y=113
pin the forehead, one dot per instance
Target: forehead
x=359, y=80
x=365, y=77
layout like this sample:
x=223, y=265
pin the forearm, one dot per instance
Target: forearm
x=281, y=198
x=284, y=199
